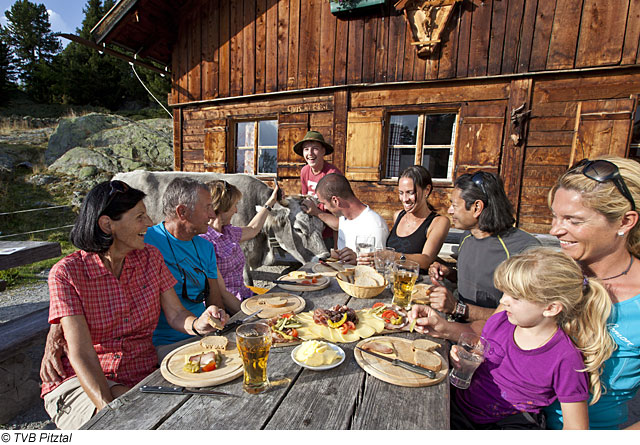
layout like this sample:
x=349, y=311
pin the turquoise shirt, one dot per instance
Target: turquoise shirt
x=190, y=260
x=621, y=375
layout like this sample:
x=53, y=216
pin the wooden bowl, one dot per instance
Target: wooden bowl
x=358, y=291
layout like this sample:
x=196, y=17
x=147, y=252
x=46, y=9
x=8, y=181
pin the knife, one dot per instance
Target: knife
x=181, y=391
x=324, y=263
x=234, y=324
x=401, y=363
x=287, y=282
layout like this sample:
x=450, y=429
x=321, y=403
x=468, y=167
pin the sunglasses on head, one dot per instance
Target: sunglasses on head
x=202, y=295
x=116, y=187
x=601, y=171
x=478, y=180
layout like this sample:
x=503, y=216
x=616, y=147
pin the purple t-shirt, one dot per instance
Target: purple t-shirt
x=511, y=380
x=230, y=258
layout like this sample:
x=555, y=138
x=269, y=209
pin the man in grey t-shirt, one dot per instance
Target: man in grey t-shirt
x=479, y=206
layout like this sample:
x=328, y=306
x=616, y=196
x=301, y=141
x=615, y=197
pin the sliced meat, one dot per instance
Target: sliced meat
x=379, y=346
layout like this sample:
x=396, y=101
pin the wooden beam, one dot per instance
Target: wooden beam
x=92, y=45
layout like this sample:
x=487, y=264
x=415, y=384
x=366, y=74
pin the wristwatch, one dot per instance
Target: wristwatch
x=461, y=311
x=268, y=207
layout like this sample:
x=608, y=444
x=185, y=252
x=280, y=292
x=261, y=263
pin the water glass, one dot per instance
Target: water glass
x=470, y=351
x=405, y=274
x=365, y=244
x=254, y=343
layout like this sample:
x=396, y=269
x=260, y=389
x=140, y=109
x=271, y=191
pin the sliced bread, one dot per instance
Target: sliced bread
x=214, y=342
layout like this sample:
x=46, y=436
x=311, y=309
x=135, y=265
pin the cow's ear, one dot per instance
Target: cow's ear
x=278, y=217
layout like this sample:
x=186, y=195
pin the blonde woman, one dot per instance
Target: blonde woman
x=226, y=238
x=554, y=318
x=595, y=217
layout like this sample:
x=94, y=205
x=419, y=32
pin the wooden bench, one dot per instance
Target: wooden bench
x=21, y=348
x=27, y=252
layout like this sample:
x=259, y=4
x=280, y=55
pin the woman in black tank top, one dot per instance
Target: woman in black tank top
x=418, y=231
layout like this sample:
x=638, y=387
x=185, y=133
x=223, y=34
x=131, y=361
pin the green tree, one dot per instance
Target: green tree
x=33, y=44
x=7, y=73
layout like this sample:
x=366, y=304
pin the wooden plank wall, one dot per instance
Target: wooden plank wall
x=240, y=47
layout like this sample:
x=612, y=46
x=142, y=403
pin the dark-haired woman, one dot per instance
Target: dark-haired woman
x=418, y=232
x=106, y=297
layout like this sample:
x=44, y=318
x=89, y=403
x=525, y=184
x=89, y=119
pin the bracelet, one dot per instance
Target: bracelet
x=193, y=328
x=268, y=207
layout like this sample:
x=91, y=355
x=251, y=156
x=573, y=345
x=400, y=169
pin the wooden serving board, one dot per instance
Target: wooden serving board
x=328, y=271
x=420, y=293
x=294, y=304
x=171, y=367
x=323, y=282
x=396, y=375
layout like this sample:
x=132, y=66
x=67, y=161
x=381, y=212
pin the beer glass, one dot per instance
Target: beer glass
x=470, y=352
x=405, y=274
x=254, y=342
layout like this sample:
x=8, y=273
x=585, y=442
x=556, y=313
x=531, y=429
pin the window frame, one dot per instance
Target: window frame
x=256, y=144
x=421, y=128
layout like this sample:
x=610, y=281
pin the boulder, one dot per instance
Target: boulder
x=145, y=144
x=73, y=131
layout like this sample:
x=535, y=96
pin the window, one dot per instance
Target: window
x=634, y=149
x=425, y=139
x=256, y=144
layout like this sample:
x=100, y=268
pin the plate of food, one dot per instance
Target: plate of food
x=339, y=324
x=210, y=361
x=284, y=329
x=303, y=282
x=421, y=352
x=273, y=304
x=318, y=355
x=394, y=317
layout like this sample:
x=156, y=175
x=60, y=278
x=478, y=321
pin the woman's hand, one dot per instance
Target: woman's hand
x=202, y=324
x=51, y=369
x=438, y=271
x=274, y=195
x=441, y=299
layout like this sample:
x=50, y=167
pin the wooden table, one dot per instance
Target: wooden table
x=345, y=397
x=30, y=252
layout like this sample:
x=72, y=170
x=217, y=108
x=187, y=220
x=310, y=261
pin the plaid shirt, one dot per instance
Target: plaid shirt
x=121, y=314
x=230, y=258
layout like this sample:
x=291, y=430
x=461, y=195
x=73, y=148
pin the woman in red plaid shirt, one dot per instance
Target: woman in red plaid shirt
x=106, y=299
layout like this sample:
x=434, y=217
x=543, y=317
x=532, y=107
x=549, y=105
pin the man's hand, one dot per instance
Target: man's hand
x=309, y=207
x=202, y=323
x=366, y=259
x=441, y=299
x=438, y=271
x=51, y=369
x=345, y=255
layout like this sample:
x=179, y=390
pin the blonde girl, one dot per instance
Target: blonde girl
x=548, y=344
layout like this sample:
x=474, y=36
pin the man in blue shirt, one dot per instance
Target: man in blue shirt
x=191, y=259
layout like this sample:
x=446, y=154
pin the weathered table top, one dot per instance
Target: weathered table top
x=345, y=397
x=29, y=252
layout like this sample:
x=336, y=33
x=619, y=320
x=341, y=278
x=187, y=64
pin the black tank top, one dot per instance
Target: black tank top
x=413, y=243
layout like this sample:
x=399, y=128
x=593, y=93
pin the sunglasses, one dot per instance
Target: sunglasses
x=116, y=187
x=602, y=171
x=202, y=295
x=478, y=180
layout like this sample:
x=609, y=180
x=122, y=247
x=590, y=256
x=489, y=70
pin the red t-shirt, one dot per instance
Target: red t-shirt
x=309, y=181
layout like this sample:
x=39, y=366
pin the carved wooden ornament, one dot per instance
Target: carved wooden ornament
x=426, y=19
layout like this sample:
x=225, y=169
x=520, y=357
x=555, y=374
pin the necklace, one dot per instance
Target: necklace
x=620, y=274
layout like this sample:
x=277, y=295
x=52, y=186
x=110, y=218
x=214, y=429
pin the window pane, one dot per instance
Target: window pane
x=244, y=160
x=403, y=129
x=439, y=129
x=268, y=133
x=436, y=161
x=245, y=134
x=399, y=159
x=267, y=160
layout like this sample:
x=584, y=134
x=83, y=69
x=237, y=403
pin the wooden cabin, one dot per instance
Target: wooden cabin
x=522, y=88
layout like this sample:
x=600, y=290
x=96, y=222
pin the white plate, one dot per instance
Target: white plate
x=336, y=348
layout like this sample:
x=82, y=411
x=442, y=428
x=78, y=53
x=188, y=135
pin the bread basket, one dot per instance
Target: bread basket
x=358, y=291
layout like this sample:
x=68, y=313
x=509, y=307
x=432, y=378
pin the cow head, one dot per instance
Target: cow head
x=296, y=232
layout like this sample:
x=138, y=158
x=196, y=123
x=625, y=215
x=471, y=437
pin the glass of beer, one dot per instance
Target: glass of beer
x=405, y=274
x=254, y=342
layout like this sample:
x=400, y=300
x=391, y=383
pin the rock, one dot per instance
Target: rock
x=87, y=172
x=73, y=161
x=74, y=131
x=42, y=179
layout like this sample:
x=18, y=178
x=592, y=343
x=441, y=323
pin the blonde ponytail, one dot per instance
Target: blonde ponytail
x=545, y=275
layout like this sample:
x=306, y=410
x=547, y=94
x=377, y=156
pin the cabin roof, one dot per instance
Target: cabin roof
x=147, y=28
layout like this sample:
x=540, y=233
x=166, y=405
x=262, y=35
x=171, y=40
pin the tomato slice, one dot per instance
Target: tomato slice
x=209, y=366
x=378, y=304
x=389, y=314
x=294, y=332
x=344, y=328
x=352, y=325
x=314, y=280
x=288, y=315
x=305, y=282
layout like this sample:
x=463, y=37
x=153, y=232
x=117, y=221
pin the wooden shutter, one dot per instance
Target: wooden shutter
x=602, y=127
x=291, y=129
x=215, y=145
x=364, y=145
x=480, y=135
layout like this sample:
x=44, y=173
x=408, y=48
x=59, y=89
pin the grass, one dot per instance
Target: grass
x=32, y=196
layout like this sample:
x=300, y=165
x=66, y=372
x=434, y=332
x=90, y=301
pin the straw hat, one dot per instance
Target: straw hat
x=316, y=137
